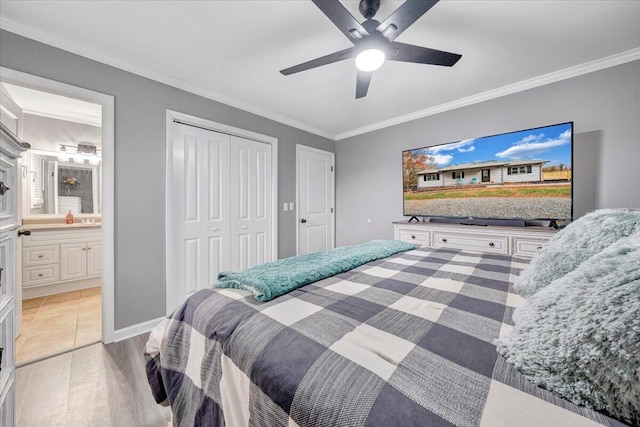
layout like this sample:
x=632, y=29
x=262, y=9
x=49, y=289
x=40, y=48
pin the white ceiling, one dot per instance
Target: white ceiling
x=232, y=51
x=46, y=104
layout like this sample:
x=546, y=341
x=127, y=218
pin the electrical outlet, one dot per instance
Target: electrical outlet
x=292, y=206
x=285, y=206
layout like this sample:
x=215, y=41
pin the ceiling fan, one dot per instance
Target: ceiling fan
x=374, y=41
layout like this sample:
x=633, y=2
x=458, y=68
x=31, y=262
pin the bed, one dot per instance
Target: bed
x=407, y=340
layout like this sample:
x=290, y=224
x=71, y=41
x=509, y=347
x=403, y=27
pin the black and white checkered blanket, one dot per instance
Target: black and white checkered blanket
x=403, y=341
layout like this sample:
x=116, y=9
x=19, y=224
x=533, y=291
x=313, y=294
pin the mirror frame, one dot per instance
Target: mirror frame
x=26, y=196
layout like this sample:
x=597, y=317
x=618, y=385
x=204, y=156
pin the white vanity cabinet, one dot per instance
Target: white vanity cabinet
x=60, y=260
x=11, y=149
x=80, y=260
x=523, y=242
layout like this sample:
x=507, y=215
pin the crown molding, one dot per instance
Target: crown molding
x=97, y=55
x=545, y=79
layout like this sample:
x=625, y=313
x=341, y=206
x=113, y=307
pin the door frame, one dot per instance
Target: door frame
x=108, y=175
x=300, y=147
x=174, y=116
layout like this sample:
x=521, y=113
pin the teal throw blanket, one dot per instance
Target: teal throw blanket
x=276, y=278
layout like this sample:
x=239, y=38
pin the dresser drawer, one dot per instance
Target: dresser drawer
x=526, y=247
x=40, y=274
x=419, y=237
x=40, y=255
x=471, y=242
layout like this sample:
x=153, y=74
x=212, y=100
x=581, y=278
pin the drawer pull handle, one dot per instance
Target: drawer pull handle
x=413, y=237
x=40, y=256
x=492, y=244
x=89, y=248
x=40, y=275
x=538, y=248
x=444, y=240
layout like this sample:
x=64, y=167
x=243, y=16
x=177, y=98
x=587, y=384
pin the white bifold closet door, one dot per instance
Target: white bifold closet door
x=219, y=214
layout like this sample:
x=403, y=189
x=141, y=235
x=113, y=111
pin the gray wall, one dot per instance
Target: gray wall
x=140, y=108
x=605, y=109
x=45, y=133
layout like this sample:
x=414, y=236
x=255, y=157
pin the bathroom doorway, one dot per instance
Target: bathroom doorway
x=62, y=297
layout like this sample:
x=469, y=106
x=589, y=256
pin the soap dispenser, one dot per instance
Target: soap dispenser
x=69, y=217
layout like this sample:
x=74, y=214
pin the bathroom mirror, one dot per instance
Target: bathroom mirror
x=57, y=183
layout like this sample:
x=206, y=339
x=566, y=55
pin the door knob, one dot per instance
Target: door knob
x=304, y=221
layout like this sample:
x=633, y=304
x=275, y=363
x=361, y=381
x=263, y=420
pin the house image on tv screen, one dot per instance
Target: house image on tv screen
x=489, y=172
x=517, y=175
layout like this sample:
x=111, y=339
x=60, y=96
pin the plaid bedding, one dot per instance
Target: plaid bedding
x=402, y=341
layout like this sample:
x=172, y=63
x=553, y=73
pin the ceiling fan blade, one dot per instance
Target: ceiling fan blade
x=362, y=83
x=404, y=16
x=421, y=55
x=342, y=19
x=318, y=62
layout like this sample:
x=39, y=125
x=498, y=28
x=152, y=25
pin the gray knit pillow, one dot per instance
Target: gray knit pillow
x=580, y=336
x=578, y=242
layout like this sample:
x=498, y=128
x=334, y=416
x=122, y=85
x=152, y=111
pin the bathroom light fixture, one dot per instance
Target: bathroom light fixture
x=79, y=149
x=81, y=154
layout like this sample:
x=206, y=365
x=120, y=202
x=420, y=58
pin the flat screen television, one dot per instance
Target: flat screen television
x=524, y=176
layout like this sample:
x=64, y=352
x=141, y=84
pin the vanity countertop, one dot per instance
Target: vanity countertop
x=60, y=226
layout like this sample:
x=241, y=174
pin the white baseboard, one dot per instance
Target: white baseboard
x=134, y=330
x=58, y=288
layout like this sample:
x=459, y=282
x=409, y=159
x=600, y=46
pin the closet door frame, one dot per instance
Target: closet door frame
x=174, y=116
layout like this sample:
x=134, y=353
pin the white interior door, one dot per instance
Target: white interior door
x=315, y=199
x=251, y=204
x=197, y=211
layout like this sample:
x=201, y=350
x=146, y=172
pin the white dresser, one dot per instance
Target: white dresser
x=519, y=241
x=10, y=151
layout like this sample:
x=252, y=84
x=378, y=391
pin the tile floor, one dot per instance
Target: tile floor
x=59, y=322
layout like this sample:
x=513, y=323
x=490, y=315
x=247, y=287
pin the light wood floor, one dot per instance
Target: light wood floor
x=93, y=386
x=59, y=322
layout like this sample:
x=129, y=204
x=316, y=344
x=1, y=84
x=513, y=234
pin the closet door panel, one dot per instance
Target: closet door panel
x=199, y=212
x=251, y=212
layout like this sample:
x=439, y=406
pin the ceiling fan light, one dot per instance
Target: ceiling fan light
x=370, y=59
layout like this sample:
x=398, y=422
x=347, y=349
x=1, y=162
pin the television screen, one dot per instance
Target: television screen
x=523, y=175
